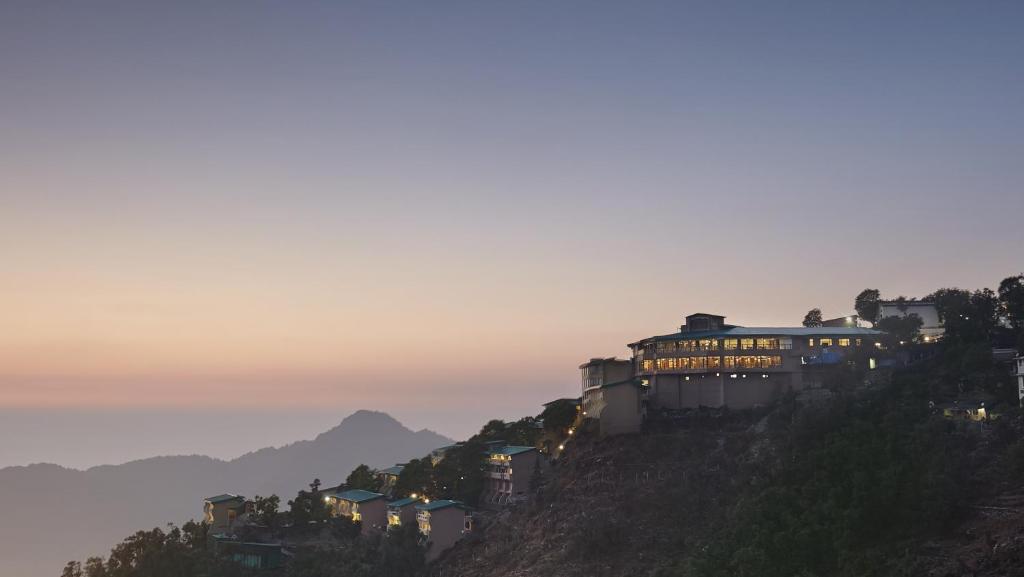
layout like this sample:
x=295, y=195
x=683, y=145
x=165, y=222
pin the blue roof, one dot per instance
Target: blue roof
x=442, y=504
x=512, y=450
x=767, y=332
x=403, y=502
x=396, y=470
x=358, y=495
x=223, y=498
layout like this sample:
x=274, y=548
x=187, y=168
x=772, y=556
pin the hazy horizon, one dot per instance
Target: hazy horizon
x=440, y=210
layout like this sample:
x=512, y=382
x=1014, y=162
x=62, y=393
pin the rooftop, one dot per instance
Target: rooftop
x=396, y=470
x=512, y=450
x=766, y=331
x=357, y=495
x=437, y=505
x=635, y=382
x=223, y=498
x=403, y=502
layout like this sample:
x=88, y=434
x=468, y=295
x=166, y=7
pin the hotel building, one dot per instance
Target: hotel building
x=710, y=363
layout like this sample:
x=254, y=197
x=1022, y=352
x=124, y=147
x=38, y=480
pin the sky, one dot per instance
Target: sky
x=439, y=209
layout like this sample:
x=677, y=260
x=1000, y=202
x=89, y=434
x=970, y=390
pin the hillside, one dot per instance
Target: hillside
x=868, y=483
x=52, y=514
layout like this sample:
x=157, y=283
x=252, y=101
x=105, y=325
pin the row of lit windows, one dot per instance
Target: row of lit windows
x=745, y=344
x=704, y=363
x=828, y=342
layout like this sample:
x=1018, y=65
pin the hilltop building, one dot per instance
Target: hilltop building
x=441, y=524
x=508, y=473
x=1020, y=379
x=931, y=324
x=223, y=513
x=712, y=364
x=358, y=505
x=402, y=511
x=388, y=477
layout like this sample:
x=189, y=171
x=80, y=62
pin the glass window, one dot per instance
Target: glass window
x=858, y=342
x=714, y=362
x=825, y=342
x=730, y=344
x=684, y=362
x=729, y=362
x=708, y=344
x=648, y=365
x=844, y=342
x=697, y=362
x=767, y=344
x=746, y=344
x=785, y=343
x=666, y=346
x=810, y=342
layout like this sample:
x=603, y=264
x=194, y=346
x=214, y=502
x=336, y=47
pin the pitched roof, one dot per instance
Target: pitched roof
x=512, y=450
x=224, y=497
x=358, y=495
x=396, y=470
x=403, y=502
x=767, y=332
x=575, y=400
x=437, y=505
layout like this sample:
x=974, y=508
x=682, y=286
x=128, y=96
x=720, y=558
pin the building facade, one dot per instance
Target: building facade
x=1020, y=379
x=358, y=505
x=224, y=513
x=442, y=524
x=508, y=472
x=712, y=364
x=402, y=511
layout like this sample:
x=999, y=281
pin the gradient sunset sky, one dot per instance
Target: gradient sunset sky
x=439, y=209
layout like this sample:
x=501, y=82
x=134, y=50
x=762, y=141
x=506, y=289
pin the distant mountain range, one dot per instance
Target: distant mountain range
x=50, y=514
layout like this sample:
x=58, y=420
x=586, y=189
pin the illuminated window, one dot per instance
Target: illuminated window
x=825, y=342
x=858, y=342
x=746, y=344
x=785, y=343
x=746, y=362
x=729, y=362
x=684, y=362
x=687, y=346
x=767, y=344
x=648, y=365
x=730, y=344
x=714, y=362
x=708, y=344
x=810, y=342
x=844, y=342
x=666, y=346
x=697, y=362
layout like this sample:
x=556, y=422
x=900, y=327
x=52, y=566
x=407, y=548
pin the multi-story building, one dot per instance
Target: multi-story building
x=612, y=395
x=388, y=477
x=358, y=505
x=441, y=524
x=508, y=472
x=713, y=364
x=224, y=513
x=402, y=511
x=931, y=324
x=1020, y=379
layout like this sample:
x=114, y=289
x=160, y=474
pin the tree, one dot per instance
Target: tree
x=1011, y=301
x=559, y=415
x=265, y=510
x=867, y=305
x=416, y=477
x=363, y=477
x=967, y=317
x=900, y=330
x=813, y=318
x=308, y=506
